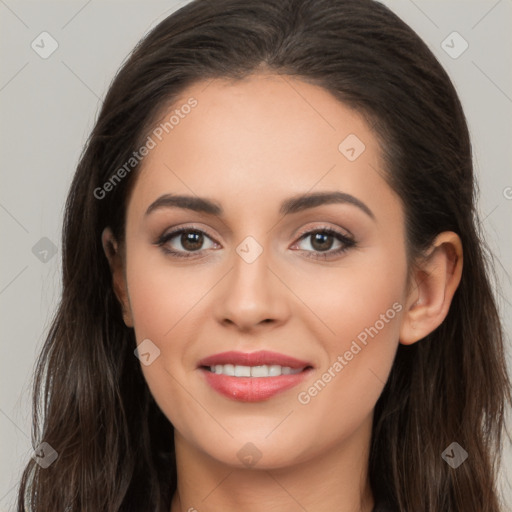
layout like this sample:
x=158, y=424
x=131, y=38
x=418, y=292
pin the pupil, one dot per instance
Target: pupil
x=192, y=241
x=318, y=239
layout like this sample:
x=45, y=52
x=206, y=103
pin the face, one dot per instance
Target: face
x=322, y=281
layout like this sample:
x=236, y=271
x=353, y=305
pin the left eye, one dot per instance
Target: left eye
x=322, y=242
x=324, y=239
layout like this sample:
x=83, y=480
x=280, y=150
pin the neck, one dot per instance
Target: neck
x=336, y=479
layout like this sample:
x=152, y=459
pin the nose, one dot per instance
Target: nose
x=252, y=293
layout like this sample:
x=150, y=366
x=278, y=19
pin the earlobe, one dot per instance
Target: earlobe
x=435, y=281
x=115, y=261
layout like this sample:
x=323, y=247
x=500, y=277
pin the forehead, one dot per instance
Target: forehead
x=264, y=136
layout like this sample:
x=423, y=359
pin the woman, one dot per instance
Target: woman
x=274, y=290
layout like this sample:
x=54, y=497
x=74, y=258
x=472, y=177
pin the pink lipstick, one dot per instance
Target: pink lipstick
x=254, y=376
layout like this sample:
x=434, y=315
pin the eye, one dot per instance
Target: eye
x=322, y=240
x=191, y=240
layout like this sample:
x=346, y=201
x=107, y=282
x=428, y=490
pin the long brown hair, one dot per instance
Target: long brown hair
x=91, y=402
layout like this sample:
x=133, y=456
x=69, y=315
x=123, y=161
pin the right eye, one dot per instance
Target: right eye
x=190, y=239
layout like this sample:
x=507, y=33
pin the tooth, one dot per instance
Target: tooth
x=228, y=369
x=259, y=371
x=242, y=371
x=274, y=370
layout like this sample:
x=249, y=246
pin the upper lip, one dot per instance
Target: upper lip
x=262, y=357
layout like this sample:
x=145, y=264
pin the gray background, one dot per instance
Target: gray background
x=48, y=107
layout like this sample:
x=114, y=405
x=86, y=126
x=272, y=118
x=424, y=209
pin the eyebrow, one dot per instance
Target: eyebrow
x=292, y=205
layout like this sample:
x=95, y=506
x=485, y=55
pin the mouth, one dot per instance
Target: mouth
x=274, y=370
x=253, y=377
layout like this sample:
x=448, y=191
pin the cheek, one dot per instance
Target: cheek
x=344, y=390
x=161, y=295
x=361, y=308
x=364, y=291
x=165, y=302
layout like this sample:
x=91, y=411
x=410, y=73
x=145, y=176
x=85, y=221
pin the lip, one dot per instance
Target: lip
x=253, y=389
x=253, y=359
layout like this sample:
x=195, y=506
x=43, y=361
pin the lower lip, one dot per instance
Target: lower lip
x=253, y=389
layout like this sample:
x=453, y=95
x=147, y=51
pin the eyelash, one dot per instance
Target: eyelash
x=345, y=240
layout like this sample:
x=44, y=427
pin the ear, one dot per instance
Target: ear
x=434, y=283
x=115, y=261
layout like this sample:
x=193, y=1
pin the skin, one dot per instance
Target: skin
x=248, y=145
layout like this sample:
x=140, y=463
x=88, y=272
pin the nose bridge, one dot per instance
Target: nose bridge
x=251, y=267
x=251, y=293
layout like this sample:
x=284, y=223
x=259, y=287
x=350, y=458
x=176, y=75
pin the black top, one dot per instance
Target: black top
x=379, y=507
